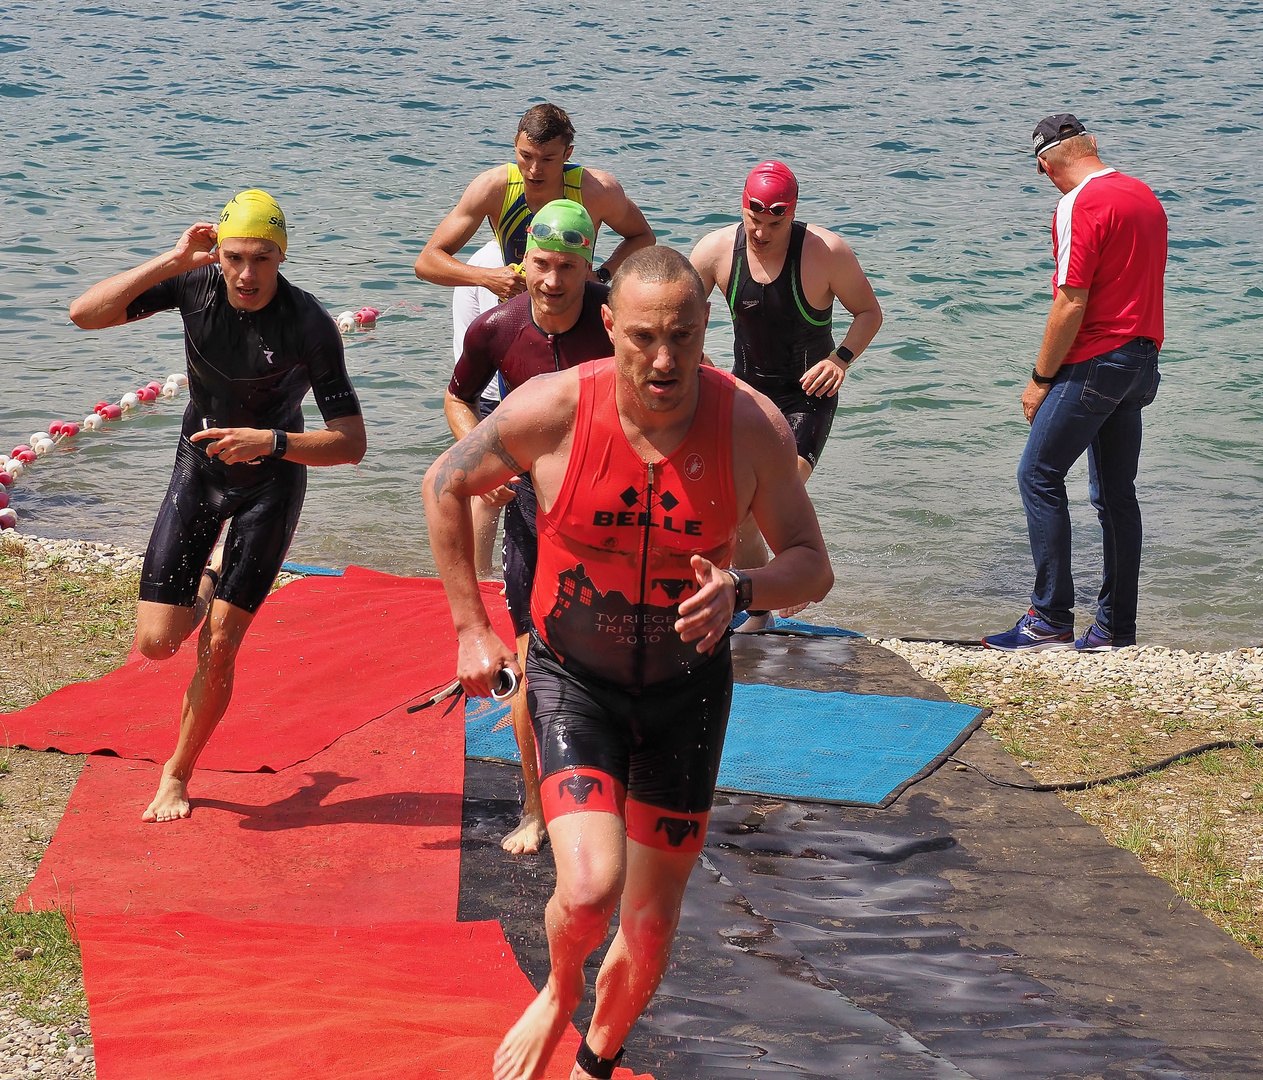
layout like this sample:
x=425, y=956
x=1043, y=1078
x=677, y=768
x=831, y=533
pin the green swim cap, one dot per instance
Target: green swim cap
x=562, y=225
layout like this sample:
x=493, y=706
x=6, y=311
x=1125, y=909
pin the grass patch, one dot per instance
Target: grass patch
x=1198, y=823
x=50, y=984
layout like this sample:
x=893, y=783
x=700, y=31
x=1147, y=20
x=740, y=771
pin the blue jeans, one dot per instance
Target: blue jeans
x=1094, y=406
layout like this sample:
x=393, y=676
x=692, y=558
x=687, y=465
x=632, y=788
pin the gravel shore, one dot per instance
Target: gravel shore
x=28, y=1049
x=1179, y=681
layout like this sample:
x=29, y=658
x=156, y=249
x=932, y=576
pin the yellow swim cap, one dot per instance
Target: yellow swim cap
x=254, y=214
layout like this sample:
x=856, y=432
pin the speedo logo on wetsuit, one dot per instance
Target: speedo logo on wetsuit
x=615, y=547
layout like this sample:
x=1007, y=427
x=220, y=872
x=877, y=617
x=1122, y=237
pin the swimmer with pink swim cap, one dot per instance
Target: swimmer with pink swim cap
x=780, y=278
x=770, y=189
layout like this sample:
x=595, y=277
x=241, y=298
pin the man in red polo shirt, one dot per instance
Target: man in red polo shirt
x=1097, y=368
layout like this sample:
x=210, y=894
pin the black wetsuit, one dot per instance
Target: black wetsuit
x=246, y=369
x=777, y=337
x=505, y=341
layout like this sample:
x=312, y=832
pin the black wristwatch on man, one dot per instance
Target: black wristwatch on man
x=744, y=587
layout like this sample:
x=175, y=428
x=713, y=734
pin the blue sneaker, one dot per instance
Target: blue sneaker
x=1098, y=640
x=1031, y=634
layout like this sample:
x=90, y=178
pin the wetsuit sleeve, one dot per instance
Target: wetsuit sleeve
x=326, y=366
x=477, y=365
x=161, y=297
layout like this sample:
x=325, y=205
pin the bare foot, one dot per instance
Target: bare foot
x=527, y=1048
x=530, y=835
x=755, y=623
x=171, y=803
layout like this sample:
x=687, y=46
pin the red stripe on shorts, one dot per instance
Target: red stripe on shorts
x=666, y=830
x=579, y=790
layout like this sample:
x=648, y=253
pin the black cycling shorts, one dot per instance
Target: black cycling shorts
x=521, y=547
x=652, y=758
x=263, y=501
x=810, y=419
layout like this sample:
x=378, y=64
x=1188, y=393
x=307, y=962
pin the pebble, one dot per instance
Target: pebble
x=76, y=556
x=30, y=1049
x=87, y=556
x=1180, y=681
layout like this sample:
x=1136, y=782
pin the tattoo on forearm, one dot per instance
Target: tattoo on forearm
x=461, y=460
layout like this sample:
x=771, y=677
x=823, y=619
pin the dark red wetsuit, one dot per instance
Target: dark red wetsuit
x=506, y=341
x=629, y=717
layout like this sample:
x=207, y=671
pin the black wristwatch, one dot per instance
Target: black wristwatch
x=603, y=274
x=745, y=589
x=1042, y=380
x=280, y=443
x=845, y=355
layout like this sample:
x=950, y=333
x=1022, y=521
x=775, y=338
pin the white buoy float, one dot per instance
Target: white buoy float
x=44, y=446
x=15, y=469
x=128, y=401
x=92, y=421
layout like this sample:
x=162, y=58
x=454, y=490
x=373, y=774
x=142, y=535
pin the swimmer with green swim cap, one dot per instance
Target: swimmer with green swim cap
x=562, y=225
x=255, y=215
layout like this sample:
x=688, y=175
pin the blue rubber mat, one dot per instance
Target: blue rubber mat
x=793, y=626
x=310, y=571
x=860, y=749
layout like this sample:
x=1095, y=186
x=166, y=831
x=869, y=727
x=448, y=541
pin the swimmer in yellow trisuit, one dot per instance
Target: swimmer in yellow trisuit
x=508, y=196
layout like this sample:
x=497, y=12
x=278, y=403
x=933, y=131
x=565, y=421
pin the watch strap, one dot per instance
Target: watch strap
x=280, y=443
x=1042, y=380
x=744, y=587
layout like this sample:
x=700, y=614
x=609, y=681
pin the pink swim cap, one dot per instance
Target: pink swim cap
x=770, y=182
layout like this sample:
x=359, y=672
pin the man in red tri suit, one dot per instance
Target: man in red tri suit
x=644, y=464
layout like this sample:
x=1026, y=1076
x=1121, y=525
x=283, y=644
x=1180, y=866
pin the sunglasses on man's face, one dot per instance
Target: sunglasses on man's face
x=1039, y=167
x=776, y=209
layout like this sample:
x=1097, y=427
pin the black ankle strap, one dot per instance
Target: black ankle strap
x=594, y=1065
x=213, y=575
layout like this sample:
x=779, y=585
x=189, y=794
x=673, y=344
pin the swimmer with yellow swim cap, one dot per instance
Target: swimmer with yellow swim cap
x=252, y=240
x=255, y=345
x=253, y=215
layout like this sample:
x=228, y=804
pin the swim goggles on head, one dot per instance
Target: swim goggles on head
x=776, y=209
x=541, y=230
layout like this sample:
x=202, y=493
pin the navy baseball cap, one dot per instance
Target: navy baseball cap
x=1052, y=130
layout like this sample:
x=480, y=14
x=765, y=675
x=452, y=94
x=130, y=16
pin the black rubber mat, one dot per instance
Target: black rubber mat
x=966, y=931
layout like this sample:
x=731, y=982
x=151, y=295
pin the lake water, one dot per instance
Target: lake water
x=908, y=124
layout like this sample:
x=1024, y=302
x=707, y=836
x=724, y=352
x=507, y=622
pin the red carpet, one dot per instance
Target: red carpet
x=323, y=657
x=193, y=997
x=301, y=923
x=366, y=831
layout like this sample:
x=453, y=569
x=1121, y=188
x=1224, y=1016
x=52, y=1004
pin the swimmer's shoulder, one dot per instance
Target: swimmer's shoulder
x=486, y=190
